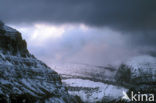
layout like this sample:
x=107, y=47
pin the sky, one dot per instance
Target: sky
x=97, y=32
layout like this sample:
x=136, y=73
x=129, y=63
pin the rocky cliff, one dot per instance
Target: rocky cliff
x=23, y=78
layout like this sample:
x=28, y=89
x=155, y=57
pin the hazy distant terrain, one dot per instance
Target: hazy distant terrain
x=99, y=83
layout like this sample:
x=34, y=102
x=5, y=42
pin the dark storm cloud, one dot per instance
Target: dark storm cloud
x=118, y=14
x=134, y=17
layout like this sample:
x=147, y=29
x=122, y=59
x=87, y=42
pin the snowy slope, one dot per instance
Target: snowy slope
x=23, y=78
x=139, y=73
x=143, y=67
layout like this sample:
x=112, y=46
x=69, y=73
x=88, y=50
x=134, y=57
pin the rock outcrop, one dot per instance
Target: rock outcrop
x=23, y=78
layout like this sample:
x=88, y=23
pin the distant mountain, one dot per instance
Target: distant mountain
x=139, y=74
x=138, y=70
x=23, y=78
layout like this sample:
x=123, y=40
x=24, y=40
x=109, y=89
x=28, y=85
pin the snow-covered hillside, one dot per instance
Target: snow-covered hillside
x=138, y=70
x=139, y=73
x=143, y=66
x=23, y=78
x=136, y=74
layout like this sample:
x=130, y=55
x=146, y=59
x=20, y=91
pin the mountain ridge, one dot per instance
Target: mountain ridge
x=23, y=78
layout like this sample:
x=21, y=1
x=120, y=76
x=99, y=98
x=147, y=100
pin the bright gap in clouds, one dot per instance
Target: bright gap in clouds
x=47, y=31
x=38, y=34
x=75, y=43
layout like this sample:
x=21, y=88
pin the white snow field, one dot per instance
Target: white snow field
x=91, y=96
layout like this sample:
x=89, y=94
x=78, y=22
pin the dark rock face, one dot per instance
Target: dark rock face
x=11, y=41
x=23, y=78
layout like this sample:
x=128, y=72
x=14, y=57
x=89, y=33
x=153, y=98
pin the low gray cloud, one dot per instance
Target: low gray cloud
x=81, y=45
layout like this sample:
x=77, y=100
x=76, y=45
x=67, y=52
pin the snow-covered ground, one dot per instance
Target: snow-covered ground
x=93, y=95
x=87, y=81
x=142, y=66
